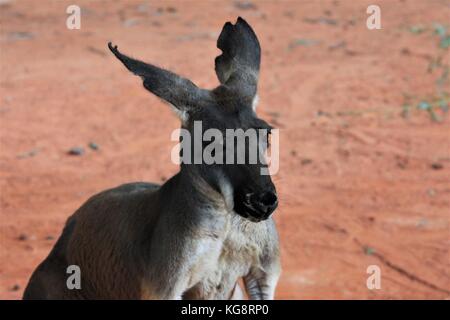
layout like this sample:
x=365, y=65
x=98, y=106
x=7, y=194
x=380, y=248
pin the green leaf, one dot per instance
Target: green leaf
x=443, y=104
x=423, y=105
x=369, y=251
x=440, y=30
x=417, y=29
x=445, y=42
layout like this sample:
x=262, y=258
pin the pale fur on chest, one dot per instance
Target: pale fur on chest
x=223, y=257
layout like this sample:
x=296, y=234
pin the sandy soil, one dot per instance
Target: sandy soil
x=363, y=180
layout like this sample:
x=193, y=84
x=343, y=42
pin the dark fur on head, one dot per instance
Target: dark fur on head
x=228, y=106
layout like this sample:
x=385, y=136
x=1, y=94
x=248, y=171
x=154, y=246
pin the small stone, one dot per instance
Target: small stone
x=22, y=237
x=142, y=7
x=130, y=22
x=171, y=9
x=405, y=51
x=28, y=154
x=369, y=251
x=93, y=146
x=76, y=151
x=402, y=162
x=245, y=5
x=15, y=287
x=302, y=42
x=19, y=35
x=422, y=223
x=436, y=166
x=321, y=113
x=337, y=45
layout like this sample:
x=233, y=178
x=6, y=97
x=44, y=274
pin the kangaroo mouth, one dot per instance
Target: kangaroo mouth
x=246, y=210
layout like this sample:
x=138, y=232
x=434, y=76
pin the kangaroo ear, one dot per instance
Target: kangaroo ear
x=179, y=92
x=238, y=66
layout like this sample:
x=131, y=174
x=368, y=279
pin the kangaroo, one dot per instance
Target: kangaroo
x=199, y=233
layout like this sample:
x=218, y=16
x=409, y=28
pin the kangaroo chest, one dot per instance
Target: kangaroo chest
x=223, y=258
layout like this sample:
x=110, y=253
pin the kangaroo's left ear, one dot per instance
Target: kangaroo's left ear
x=179, y=92
x=238, y=66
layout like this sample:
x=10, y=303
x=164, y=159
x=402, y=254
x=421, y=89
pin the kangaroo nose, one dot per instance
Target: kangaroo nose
x=267, y=202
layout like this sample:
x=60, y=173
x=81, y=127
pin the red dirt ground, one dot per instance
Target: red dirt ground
x=360, y=182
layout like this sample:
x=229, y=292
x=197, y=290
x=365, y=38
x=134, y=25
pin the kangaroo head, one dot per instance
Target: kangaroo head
x=226, y=114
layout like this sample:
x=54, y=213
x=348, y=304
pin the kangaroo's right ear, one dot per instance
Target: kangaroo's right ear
x=179, y=92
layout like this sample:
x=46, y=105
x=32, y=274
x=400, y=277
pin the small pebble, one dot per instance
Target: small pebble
x=369, y=251
x=28, y=154
x=15, y=287
x=245, y=5
x=76, y=151
x=22, y=237
x=20, y=35
x=93, y=146
x=422, y=223
x=171, y=9
x=436, y=166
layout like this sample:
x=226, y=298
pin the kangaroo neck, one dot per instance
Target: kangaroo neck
x=192, y=191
